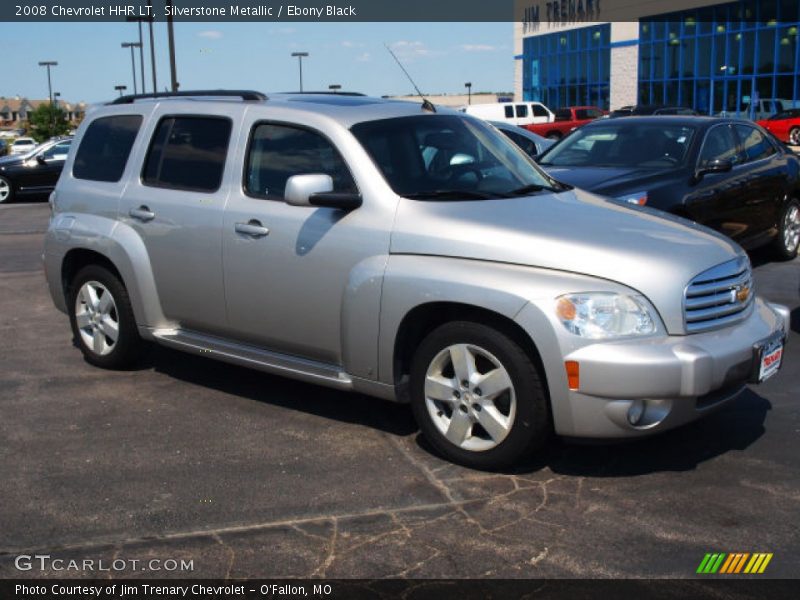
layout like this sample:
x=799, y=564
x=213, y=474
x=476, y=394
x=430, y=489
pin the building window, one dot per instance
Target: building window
x=722, y=59
x=568, y=68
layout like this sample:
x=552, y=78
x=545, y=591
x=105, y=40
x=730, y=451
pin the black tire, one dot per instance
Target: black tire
x=128, y=347
x=6, y=184
x=791, y=210
x=530, y=427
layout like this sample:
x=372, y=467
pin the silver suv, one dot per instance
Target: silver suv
x=402, y=251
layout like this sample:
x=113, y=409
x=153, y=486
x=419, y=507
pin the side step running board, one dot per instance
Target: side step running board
x=254, y=357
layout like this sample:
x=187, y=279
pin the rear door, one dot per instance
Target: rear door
x=764, y=171
x=176, y=207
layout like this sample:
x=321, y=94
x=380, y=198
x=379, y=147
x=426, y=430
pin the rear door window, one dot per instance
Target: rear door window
x=755, y=146
x=188, y=153
x=522, y=110
x=105, y=148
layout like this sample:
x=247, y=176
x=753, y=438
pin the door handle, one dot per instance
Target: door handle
x=253, y=228
x=142, y=213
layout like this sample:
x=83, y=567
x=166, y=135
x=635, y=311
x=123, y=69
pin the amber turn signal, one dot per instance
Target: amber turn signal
x=573, y=374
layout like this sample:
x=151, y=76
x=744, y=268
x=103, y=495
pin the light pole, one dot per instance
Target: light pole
x=132, y=45
x=141, y=46
x=120, y=89
x=48, y=64
x=56, y=96
x=335, y=87
x=300, y=56
x=468, y=85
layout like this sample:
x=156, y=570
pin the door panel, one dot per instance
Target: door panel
x=285, y=290
x=177, y=209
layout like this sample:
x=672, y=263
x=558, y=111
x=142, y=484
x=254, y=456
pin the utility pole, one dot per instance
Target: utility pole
x=120, y=89
x=150, y=18
x=141, y=47
x=468, y=85
x=171, y=37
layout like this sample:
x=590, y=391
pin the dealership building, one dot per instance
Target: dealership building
x=705, y=55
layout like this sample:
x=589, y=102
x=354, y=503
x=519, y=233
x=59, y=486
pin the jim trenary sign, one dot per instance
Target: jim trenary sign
x=560, y=11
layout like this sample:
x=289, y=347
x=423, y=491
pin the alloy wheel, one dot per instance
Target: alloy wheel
x=791, y=228
x=794, y=136
x=470, y=397
x=97, y=318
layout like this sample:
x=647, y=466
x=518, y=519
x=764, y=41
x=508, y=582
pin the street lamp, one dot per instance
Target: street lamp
x=300, y=56
x=468, y=85
x=141, y=45
x=56, y=96
x=120, y=88
x=48, y=64
x=335, y=87
x=132, y=45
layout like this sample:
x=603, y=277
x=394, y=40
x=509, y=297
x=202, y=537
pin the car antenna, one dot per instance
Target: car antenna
x=426, y=104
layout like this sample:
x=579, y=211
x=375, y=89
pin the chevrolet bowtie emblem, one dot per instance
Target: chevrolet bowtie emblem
x=742, y=293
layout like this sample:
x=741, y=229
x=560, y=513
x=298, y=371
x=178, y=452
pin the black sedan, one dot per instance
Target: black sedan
x=33, y=175
x=727, y=174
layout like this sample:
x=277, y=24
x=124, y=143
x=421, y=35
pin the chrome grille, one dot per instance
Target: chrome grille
x=719, y=296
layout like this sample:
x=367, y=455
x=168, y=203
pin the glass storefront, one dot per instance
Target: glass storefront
x=569, y=68
x=722, y=59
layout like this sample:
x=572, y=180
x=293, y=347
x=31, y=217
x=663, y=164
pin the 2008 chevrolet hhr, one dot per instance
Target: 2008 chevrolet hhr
x=402, y=251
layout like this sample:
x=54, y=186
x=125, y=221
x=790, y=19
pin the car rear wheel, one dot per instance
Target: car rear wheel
x=6, y=191
x=794, y=136
x=477, y=396
x=788, y=231
x=102, y=319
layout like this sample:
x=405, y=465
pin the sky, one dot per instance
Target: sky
x=440, y=57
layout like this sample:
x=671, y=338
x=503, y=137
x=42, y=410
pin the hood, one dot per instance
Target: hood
x=574, y=231
x=13, y=160
x=601, y=179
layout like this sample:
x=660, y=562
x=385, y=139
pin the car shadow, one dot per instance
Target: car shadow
x=795, y=316
x=734, y=427
x=390, y=417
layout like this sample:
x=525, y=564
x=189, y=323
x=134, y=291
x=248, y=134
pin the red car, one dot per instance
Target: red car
x=784, y=125
x=567, y=119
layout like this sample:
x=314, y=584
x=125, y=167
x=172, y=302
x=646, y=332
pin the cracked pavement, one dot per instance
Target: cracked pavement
x=250, y=475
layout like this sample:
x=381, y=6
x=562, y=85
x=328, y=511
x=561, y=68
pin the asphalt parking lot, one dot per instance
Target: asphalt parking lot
x=250, y=475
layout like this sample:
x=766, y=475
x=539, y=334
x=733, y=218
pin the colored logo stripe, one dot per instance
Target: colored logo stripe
x=734, y=563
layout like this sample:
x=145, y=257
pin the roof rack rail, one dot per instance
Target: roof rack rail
x=248, y=95
x=325, y=92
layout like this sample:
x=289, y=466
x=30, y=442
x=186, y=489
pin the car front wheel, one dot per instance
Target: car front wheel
x=788, y=231
x=102, y=319
x=477, y=396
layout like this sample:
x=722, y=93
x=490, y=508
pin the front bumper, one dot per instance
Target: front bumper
x=665, y=381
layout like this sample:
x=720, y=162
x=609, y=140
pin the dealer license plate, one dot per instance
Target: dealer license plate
x=770, y=355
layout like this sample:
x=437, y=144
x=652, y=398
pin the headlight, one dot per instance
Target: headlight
x=602, y=315
x=638, y=198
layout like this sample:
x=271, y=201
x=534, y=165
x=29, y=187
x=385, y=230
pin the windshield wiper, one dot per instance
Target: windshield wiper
x=454, y=195
x=534, y=187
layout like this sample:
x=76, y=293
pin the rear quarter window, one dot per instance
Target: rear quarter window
x=105, y=148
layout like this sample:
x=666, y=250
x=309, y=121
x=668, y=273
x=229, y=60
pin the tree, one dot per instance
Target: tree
x=46, y=121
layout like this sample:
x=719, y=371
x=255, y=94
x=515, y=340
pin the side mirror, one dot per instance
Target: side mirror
x=41, y=159
x=714, y=166
x=317, y=190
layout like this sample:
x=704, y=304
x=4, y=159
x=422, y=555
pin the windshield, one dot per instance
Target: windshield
x=623, y=144
x=449, y=157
